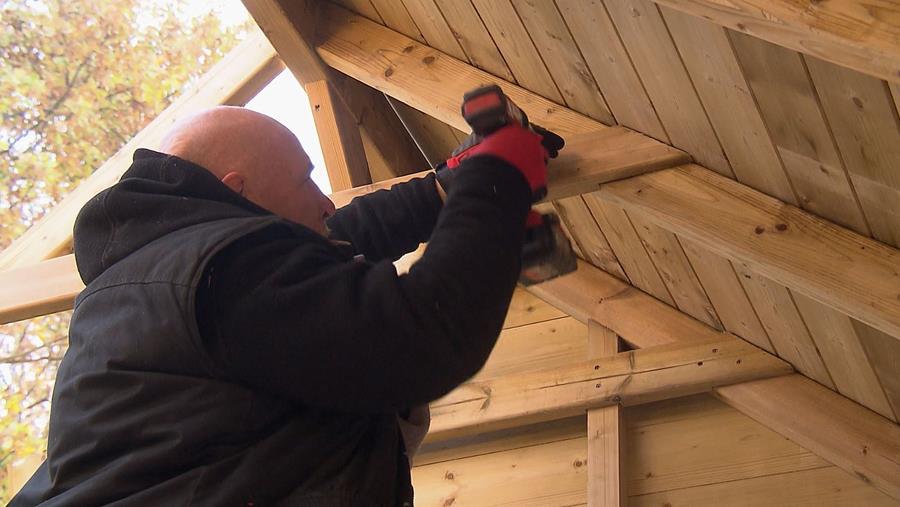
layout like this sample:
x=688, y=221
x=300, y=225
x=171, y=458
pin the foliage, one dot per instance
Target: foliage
x=78, y=78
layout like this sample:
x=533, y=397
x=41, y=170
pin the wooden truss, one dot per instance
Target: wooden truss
x=675, y=354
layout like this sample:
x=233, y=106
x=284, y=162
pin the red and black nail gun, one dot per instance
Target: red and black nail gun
x=547, y=252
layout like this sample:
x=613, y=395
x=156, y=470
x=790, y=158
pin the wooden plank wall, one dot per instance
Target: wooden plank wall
x=688, y=451
x=811, y=133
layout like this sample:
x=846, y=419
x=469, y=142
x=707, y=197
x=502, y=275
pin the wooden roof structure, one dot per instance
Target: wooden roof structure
x=732, y=185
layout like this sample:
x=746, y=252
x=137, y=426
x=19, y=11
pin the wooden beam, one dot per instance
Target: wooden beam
x=435, y=139
x=229, y=78
x=589, y=160
x=382, y=130
x=252, y=86
x=605, y=430
x=421, y=76
x=342, y=147
x=630, y=378
x=833, y=265
x=285, y=24
x=39, y=289
x=590, y=293
x=828, y=424
x=862, y=35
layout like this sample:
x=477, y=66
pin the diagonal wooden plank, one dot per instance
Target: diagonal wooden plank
x=851, y=273
x=827, y=424
x=227, y=80
x=863, y=35
x=39, y=289
x=421, y=76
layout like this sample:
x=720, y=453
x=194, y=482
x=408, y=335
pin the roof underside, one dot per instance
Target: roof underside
x=805, y=131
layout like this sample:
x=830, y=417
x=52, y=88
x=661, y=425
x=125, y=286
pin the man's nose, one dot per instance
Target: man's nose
x=327, y=206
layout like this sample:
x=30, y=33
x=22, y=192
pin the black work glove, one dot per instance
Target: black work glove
x=552, y=141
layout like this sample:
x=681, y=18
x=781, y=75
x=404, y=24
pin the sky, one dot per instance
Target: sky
x=285, y=100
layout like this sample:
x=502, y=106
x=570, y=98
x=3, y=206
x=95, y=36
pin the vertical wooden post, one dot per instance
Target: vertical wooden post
x=605, y=434
x=342, y=147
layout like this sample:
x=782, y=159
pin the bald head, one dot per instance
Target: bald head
x=255, y=156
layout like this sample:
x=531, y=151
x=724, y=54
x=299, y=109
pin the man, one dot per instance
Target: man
x=226, y=352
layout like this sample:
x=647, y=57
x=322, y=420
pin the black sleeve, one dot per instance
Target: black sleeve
x=389, y=223
x=286, y=315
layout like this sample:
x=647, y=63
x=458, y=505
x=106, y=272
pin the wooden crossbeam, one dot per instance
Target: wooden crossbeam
x=629, y=378
x=230, y=81
x=840, y=268
x=862, y=35
x=590, y=159
x=855, y=439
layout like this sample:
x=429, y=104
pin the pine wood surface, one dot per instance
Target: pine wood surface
x=792, y=406
x=339, y=135
x=630, y=378
x=605, y=434
x=585, y=232
x=726, y=294
x=830, y=425
x=422, y=77
x=831, y=264
x=627, y=246
x=468, y=28
x=668, y=85
x=699, y=441
x=540, y=346
x=563, y=59
x=860, y=35
x=716, y=73
x=610, y=66
x=675, y=270
x=787, y=101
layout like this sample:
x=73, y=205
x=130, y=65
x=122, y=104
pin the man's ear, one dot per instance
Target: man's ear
x=234, y=181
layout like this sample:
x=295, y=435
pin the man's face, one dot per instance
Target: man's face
x=310, y=206
x=295, y=196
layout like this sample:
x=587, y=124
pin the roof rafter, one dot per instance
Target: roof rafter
x=858, y=34
x=834, y=265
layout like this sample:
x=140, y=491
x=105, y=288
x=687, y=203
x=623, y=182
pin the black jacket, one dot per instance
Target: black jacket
x=220, y=355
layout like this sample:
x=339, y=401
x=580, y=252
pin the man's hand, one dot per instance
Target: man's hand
x=518, y=146
x=525, y=149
